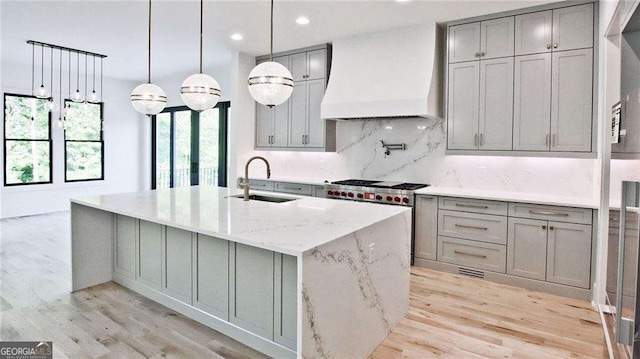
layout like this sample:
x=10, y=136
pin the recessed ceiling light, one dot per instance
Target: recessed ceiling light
x=302, y=20
x=237, y=37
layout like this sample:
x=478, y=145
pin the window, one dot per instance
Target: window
x=83, y=142
x=27, y=141
x=189, y=148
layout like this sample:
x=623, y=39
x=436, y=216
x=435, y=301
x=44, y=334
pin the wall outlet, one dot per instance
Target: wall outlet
x=372, y=253
x=482, y=171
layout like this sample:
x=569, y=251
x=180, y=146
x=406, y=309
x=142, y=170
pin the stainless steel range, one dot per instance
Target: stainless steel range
x=385, y=192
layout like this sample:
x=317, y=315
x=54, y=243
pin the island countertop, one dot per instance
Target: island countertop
x=292, y=227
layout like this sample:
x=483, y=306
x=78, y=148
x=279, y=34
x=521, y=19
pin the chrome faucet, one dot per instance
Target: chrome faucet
x=246, y=174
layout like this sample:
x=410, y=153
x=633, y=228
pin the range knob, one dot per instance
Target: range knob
x=389, y=198
x=330, y=193
x=378, y=197
x=405, y=200
x=350, y=194
x=360, y=195
x=397, y=199
x=343, y=194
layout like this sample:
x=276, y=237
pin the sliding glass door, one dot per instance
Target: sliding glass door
x=189, y=148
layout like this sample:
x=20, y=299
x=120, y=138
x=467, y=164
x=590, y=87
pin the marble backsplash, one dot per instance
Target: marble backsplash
x=360, y=155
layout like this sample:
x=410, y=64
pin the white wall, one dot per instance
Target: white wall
x=124, y=155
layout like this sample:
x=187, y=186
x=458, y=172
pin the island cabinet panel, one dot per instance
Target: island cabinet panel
x=252, y=290
x=124, y=254
x=150, y=255
x=286, y=299
x=527, y=248
x=426, y=227
x=569, y=254
x=177, y=264
x=211, y=275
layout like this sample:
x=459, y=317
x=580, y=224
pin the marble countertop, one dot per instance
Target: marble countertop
x=292, y=227
x=553, y=200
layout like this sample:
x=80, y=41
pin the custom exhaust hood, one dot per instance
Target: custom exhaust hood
x=387, y=74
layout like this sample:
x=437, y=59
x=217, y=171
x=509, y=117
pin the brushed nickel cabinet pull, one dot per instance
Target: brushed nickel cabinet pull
x=555, y=45
x=482, y=54
x=544, y=227
x=481, y=139
x=303, y=139
x=471, y=206
x=615, y=218
x=551, y=228
x=477, y=54
x=548, y=213
x=470, y=254
x=471, y=227
x=293, y=188
x=548, y=46
x=546, y=139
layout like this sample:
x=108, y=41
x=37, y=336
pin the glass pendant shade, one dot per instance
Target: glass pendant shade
x=200, y=92
x=270, y=83
x=77, y=96
x=93, y=97
x=43, y=92
x=60, y=123
x=148, y=99
x=51, y=106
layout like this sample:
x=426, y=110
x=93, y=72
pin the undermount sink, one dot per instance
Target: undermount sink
x=257, y=197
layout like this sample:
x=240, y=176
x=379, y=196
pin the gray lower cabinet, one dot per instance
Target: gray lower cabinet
x=527, y=248
x=569, y=254
x=426, y=227
x=286, y=299
x=251, y=294
x=150, y=254
x=211, y=275
x=176, y=281
x=124, y=246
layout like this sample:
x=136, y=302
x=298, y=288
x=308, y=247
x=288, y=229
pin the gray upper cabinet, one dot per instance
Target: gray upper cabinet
x=296, y=124
x=533, y=33
x=463, y=105
x=571, y=100
x=573, y=27
x=496, y=104
x=426, y=227
x=569, y=254
x=532, y=103
x=464, y=42
x=496, y=38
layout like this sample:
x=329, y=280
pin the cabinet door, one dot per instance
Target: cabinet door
x=464, y=42
x=211, y=275
x=286, y=301
x=317, y=64
x=298, y=115
x=569, y=254
x=264, y=125
x=463, y=101
x=497, y=38
x=426, y=227
x=176, y=281
x=496, y=104
x=573, y=27
x=298, y=66
x=124, y=251
x=150, y=254
x=532, y=102
x=281, y=115
x=571, y=101
x=315, y=123
x=533, y=33
x=527, y=248
x=251, y=296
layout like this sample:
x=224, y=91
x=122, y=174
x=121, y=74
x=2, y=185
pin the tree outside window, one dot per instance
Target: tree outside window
x=84, y=145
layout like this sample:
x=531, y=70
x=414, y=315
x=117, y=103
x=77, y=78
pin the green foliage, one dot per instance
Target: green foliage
x=84, y=155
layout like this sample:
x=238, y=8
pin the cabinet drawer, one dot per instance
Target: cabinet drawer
x=473, y=205
x=551, y=213
x=486, y=256
x=631, y=220
x=294, y=188
x=261, y=185
x=478, y=227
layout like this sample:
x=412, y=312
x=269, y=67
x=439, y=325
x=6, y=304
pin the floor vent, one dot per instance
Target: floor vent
x=471, y=272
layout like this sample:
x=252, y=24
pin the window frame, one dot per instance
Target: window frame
x=101, y=141
x=5, y=139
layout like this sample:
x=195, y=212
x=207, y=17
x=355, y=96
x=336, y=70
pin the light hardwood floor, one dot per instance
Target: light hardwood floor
x=449, y=315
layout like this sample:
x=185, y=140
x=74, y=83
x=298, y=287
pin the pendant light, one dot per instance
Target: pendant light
x=51, y=105
x=148, y=98
x=77, y=96
x=42, y=91
x=270, y=83
x=200, y=91
x=93, y=97
x=60, y=122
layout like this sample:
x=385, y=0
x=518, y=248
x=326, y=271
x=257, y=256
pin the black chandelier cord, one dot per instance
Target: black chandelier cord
x=85, y=76
x=60, y=99
x=51, y=79
x=78, y=72
x=69, y=83
x=94, y=74
x=149, y=60
x=33, y=52
x=271, y=44
x=201, y=15
x=101, y=79
x=42, y=66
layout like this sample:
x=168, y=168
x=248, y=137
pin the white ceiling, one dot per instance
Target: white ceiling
x=119, y=28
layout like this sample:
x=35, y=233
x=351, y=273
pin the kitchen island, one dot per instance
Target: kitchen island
x=306, y=278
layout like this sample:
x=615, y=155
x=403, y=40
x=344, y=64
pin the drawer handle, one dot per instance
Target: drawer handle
x=293, y=188
x=615, y=218
x=547, y=213
x=472, y=227
x=470, y=254
x=471, y=206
